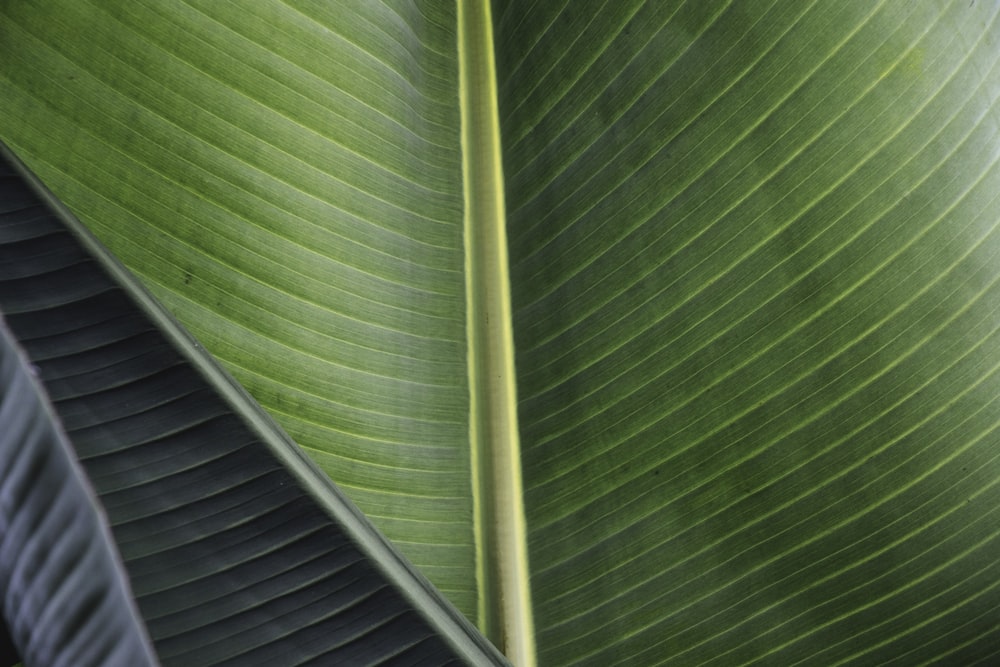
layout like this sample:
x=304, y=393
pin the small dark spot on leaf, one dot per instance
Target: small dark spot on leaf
x=187, y=278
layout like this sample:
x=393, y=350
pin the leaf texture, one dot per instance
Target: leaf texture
x=66, y=597
x=753, y=260
x=754, y=254
x=236, y=554
x=286, y=177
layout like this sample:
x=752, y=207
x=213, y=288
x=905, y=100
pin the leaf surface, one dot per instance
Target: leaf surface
x=754, y=263
x=66, y=596
x=286, y=177
x=238, y=549
x=752, y=259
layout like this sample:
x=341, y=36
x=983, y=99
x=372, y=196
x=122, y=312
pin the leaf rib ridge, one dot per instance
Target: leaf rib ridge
x=504, y=605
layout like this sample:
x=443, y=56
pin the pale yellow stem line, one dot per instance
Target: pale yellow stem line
x=505, y=612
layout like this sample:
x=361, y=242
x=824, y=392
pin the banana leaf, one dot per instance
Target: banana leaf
x=66, y=598
x=650, y=332
x=237, y=549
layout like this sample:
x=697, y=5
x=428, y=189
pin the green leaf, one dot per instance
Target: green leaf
x=238, y=549
x=751, y=259
x=323, y=145
x=754, y=258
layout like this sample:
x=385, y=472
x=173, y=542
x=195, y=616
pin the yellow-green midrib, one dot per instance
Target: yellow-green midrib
x=503, y=572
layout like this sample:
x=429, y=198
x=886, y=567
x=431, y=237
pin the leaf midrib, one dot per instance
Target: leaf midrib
x=503, y=587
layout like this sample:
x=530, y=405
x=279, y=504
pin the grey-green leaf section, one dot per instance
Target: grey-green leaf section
x=66, y=596
x=753, y=266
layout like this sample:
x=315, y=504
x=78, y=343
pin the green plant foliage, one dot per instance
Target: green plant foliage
x=323, y=143
x=753, y=274
x=239, y=551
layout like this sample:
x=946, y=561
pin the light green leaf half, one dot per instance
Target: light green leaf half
x=753, y=264
x=287, y=179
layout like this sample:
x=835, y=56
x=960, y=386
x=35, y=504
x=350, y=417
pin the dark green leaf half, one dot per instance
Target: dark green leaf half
x=755, y=256
x=238, y=549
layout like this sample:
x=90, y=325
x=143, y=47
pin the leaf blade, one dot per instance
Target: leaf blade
x=323, y=144
x=238, y=548
x=723, y=238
